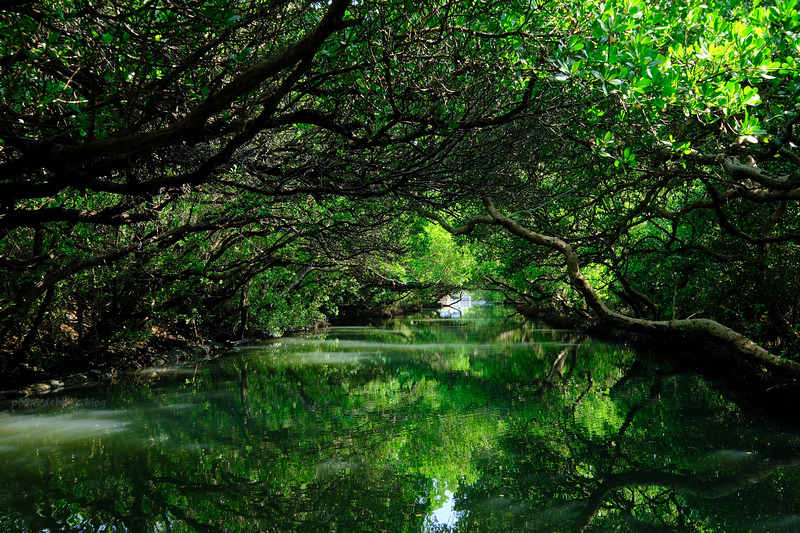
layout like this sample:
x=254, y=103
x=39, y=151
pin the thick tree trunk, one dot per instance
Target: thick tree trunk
x=244, y=315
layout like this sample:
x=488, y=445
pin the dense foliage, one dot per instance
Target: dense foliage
x=233, y=167
x=676, y=190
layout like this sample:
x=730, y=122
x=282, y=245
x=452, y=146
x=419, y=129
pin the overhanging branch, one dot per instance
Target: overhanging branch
x=698, y=327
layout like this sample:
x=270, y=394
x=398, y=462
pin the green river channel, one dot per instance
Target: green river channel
x=481, y=422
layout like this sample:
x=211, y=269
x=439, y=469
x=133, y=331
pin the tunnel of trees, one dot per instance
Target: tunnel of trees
x=233, y=168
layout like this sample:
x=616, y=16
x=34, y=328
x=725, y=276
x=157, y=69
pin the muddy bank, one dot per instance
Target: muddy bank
x=127, y=363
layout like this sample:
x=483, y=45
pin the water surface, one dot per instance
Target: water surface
x=426, y=424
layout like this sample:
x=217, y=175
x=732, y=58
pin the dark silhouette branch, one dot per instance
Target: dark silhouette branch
x=698, y=327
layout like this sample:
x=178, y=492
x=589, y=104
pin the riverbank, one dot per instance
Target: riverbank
x=164, y=348
x=110, y=366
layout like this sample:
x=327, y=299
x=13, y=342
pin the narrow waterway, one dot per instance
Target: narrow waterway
x=474, y=422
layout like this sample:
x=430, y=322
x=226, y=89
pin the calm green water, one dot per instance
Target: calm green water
x=415, y=425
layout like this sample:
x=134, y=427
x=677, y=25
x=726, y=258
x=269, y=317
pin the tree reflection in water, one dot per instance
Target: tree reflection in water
x=483, y=423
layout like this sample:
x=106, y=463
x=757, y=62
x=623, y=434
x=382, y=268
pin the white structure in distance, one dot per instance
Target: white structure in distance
x=454, y=305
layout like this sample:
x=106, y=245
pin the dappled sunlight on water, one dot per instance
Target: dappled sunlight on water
x=29, y=429
x=315, y=357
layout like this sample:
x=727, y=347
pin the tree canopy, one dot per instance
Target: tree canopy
x=230, y=167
